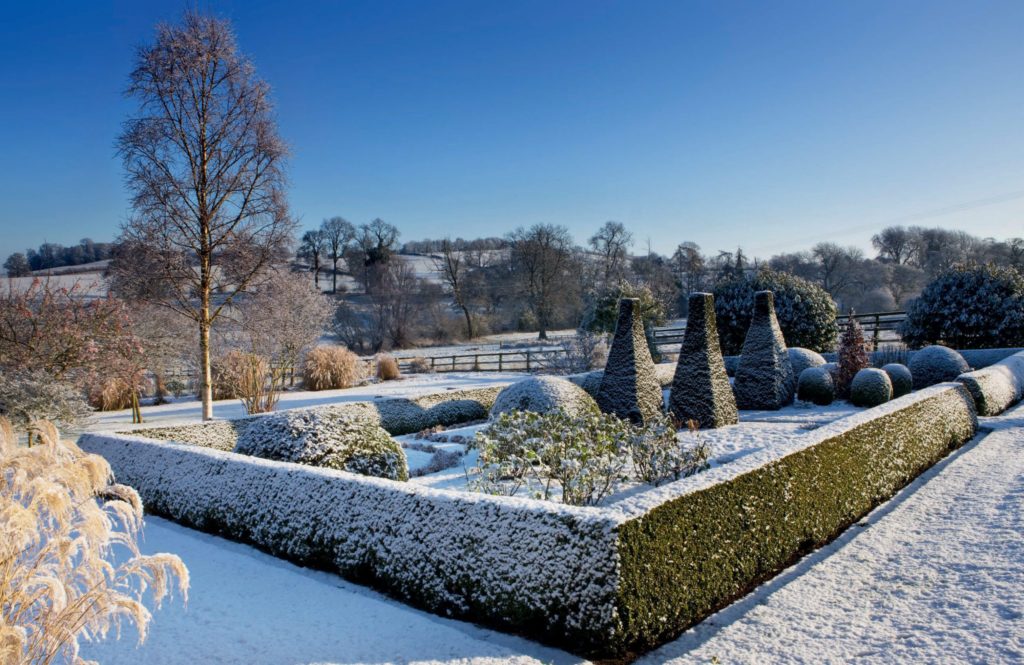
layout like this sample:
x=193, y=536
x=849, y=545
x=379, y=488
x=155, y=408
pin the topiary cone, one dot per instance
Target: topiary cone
x=700, y=386
x=764, y=376
x=629, y=387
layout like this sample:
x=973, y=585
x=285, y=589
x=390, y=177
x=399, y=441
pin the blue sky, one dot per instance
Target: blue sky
x=766, y=125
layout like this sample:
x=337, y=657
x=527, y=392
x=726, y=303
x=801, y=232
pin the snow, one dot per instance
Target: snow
x=933, y=576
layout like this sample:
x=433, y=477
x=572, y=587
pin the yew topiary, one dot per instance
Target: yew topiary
x=544, y=394
x=801, y=359
x=900, y=377
x=700, y=386
x=815, y=385
x=764, y=376
x=935, y=364
x=870, y=387
x=629, y=386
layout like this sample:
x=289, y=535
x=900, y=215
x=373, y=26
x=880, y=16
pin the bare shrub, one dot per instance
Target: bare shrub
x=110, y=394
x=387, y=368
x=330, y=368
x=420, y=365
x=59, y=582
x=28, y=395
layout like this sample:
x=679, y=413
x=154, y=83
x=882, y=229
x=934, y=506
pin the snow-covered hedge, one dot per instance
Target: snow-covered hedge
x=326, y=437
x=601, y=582
x=997, y=387
x=544, y=394
x=218, y=434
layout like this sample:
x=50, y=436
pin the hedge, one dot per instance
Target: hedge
x=601, y=582
x=997, y=387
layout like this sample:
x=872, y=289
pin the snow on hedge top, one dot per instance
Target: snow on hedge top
x=935, y=364
x=544, y=394
x=997, y=387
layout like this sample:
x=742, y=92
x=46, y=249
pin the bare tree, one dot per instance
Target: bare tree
x=894, y=243
x=540, y=258
x=204, y=166
x=453, y=269
x=378, y=241
x=337, y=233
x=312, y=249
x=836, y=265
x=612, y=242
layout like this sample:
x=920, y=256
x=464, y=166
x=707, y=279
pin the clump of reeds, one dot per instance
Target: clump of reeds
x=387, y=368
x=61, y=521
x=331, y=367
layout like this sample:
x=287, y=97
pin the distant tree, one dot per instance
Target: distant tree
x=337, y=233
x=836, y=266
x=454, y=272
x=611, y=243
x=690, y=267
x=16, y=265
x=378, y=241
x=894, y=243
x=205, y=168
x=311, y=249
x=540, y=258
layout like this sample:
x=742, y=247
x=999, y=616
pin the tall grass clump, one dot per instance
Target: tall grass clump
x=331, y=367
x=60, y=580
x=387, y=368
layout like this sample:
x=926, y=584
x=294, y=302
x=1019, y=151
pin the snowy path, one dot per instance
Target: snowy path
x=935, y=576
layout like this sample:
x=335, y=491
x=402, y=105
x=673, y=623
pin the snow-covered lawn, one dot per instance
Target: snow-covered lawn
x=935, y=575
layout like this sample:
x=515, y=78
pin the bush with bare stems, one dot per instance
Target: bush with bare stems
x=387, y=368
x=248, y=377
x=331, y=367
x=59, y=579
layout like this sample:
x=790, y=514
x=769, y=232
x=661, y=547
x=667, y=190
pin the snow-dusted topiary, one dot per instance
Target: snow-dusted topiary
x=816, y=385
x=764, y=377
x=900, y=377
x=326, y=437
x=801, y=359
x=544, y=394
x=629, y=386
x=935, y=364
x=700, y=388
x=591, y=381
x=870, y=387
x=851, y=357
x=997, y=387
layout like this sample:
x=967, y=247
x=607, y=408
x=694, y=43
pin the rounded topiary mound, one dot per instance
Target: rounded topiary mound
x=815, y=385
x=968, y=307
x=324, y=437
x=870, y=387
x=900, y=377
x=935, y=364
x=544, y=394
x=801, y=359
x=806, y=312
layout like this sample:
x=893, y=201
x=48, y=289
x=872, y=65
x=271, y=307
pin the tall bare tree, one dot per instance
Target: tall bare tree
x=311, y=249
x=541, y=256
x=205, y=168
x=611, y=243
x=454, y=271
x=337, y=232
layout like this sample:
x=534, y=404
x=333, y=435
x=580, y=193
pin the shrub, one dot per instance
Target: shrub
x=326, y=437
x=629, y=385
x=870, y=387
x=764, y=376
x=247, y=376
x=33, y=394
x=968, y=307
x=387, y=368
x=900, y=377
x=853, y=356
x=816, y=385
x=59, y=581
x=800, y=359
x=700, y=386
x=806, y=313
x=419, y=365
x=935, y=364
x=330, y=368
x=544, y=394
x=110, y=394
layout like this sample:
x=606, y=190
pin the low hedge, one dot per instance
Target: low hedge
x=601, y=582
x=997, y=387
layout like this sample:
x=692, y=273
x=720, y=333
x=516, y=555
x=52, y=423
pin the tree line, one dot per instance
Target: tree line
x=54, y=255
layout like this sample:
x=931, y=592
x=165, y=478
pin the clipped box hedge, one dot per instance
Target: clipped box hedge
x=601, y=582
x=996, y=387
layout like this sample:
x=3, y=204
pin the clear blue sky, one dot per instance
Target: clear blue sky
x=766, y=125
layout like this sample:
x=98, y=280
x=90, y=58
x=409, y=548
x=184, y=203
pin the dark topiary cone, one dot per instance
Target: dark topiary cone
x=700, y=387
x=629, y=388
x=764, y=376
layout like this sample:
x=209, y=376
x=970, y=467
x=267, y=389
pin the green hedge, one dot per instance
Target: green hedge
x=692, y=555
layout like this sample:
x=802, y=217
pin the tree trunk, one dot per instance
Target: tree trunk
x=206, y=374
x=469, y=323
x=334, y=277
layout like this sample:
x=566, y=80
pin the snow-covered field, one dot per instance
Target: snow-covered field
x=932, y=576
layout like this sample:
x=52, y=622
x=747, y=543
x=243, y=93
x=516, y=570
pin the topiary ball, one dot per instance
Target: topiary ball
x=544, y=394
x=801, y=359
x=816, y=385
x=935, y=364
x=870, y=387
x=901, y=378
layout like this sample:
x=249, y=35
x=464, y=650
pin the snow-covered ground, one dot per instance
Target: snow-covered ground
x=933, y=576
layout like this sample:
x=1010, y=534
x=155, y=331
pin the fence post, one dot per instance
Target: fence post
x=501, y=359
x=527, y=361
x=875, y=336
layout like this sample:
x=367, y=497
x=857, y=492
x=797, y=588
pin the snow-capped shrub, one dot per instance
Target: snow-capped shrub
x=935, y=364
x=630, y=388
x=816, y=385
x=764, y=376
x=997, y=387
x=658, y=457
x=700, y=386
x=327, y=437
x=544, y=394
x=852, y=357
x=330, y=368
x=900, y=377
x=216, y=434
x=801, y=359
x=806, y=312
x=870, y=387
x=29, y=395
x=968, y=307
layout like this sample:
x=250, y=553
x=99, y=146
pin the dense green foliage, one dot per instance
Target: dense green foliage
x=968, y=307
x=806, y=312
